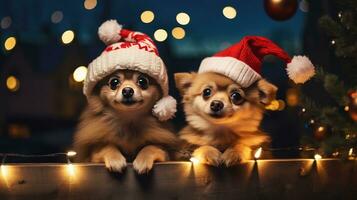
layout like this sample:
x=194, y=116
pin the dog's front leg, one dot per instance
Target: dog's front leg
x=111, y=156
x=145, y=159
x=208, y=155
x=239, y=153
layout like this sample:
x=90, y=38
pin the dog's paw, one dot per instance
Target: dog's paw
x=115, y=163
x=208, y=155
x=142, y=164
x=231, y=157
x=235, y=156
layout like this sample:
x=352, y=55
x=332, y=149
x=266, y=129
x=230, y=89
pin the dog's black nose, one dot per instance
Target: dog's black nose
x=127, y=92
x=216, y=105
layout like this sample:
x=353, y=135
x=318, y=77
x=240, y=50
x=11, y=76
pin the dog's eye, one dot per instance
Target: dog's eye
x=206, y=92
x=143, y=82
x=236, y=98
x=114, y=83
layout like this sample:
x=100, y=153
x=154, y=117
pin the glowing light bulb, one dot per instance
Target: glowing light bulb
x=67, y=36
x=70, y=169
x=12, y=83
x=303, y=110
x=90, y=4
x=71, y=153
x=178, y=33
x=160, y=35
x=347, y=108
x=147, y=16
x=4, y=171
x=258, y=153
x=229, y=12
x=194, y=160
x=318, y=157
x=333, y=42
x=183, y=18
x=10, y=43
x=350, y=152
x=320, y=129
x=80, y=73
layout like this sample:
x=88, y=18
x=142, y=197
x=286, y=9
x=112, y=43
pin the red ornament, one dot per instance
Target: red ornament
x=280, y=10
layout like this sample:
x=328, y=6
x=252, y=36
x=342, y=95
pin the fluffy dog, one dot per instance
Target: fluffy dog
x=118, y=124
x=223, y=118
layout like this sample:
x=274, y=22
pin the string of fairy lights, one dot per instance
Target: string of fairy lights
x=68, y=36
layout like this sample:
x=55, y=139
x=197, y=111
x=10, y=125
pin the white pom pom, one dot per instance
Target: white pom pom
x=165, y=108
x=109, y=31
x=300, y=69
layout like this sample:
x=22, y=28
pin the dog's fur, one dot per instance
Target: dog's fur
x=229, y=136
x=111, y=130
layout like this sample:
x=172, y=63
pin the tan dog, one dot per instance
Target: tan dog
x=223, y=118
x=118, y=124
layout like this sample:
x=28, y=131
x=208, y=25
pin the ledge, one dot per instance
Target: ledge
x=263, y=179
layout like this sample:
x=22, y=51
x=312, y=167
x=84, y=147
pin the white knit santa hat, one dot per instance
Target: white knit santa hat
x=133, y=51
x=242, y=61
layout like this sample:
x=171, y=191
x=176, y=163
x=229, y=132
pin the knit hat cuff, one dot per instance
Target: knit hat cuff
x=129, y=58
x=231, y=67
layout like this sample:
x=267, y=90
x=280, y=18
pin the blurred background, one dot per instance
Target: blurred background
x=46, y=46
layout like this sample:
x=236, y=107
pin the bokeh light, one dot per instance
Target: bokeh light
x=90, y=4
x=12, y=83
x=67, y=37
x=147, y=16
x=229, y=12
x=10, y=43
x=178, y=33
x=80, y=73
x=183, y=18
x=56, y=17
x=160, y=35
x=5, y=22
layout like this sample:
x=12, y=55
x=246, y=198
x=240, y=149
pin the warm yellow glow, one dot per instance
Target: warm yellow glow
x=194, y=160
x=303, y=110
x=71, y=153
x=4, y=171
x=183, y=18
x=10, y=43
x=12, y=83
x=276, y=1
x=317, y=156
x=178, y=33
x=333, y=42
x=347, y=108
x=229, y=12
x=70, y=169
x=312, y=121
x=90, y=4
x=274, y=105
x=320, y=129
x=67, y=37
x=147, y=16
x=350, y=152
x=160, y=35
x=80, y=73
x=258, y=153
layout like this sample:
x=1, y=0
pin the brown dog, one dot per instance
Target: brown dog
x=223, y=118
x=118, y=124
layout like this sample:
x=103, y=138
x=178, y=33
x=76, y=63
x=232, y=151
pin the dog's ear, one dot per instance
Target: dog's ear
x=183, y=81
x=267, y=91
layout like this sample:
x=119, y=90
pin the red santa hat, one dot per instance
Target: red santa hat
x=242, y=61
x=130, y=50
